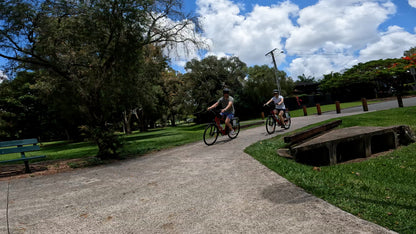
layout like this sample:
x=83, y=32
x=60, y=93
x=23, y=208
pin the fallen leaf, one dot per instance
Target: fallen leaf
x=84, y=215
x=316, y=168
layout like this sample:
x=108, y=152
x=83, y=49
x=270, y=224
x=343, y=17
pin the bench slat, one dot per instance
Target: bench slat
x=19, y=142
x=23, y=159
x=19, y=149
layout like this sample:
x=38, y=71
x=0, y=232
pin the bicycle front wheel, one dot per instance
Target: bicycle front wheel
x=288, y=122
x=270, y=124
x=211, y=134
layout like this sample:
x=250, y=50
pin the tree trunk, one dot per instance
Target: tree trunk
x=173, y=120
x=127, y=121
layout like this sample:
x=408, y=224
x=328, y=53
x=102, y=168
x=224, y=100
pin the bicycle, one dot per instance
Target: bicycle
x=273, y=120
x=214, y=128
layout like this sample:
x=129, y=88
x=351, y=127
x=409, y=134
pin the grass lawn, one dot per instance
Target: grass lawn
x=381, y=190
x=137, y=143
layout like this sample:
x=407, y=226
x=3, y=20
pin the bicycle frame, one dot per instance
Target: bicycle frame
x=276, y=118
x=217, y=121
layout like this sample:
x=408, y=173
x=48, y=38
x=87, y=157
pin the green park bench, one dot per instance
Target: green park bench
x=26, y=145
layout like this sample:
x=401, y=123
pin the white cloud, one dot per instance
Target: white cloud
x=335, y=30
x=2, y=76
x=391, y=44
x=249, y=37
x=325, y=37
x=412, y=3
x=352, y=23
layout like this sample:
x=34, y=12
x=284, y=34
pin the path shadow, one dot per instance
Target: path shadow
x=286, y=193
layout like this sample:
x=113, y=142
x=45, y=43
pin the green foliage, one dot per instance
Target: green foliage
x=259, y=85
x=99, y=53
x=381, y=190
x=205, y=80
x=410, y=52
x=362, y=80
x=309, y=79
x=22, y=112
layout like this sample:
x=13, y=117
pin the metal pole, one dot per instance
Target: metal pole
x=275, y=68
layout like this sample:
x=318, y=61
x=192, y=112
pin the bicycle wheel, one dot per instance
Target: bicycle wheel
x=211, y=134
x=236, y=129
x=270, y=124
x=288, y=122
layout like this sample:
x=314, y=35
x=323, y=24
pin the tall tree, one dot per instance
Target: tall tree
x=205, y=79
x=306, y=79
x=92, y=51
x=410, y=52
x=259, y=86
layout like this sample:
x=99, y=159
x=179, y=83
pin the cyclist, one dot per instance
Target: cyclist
x=279, y=105
x=227, y=108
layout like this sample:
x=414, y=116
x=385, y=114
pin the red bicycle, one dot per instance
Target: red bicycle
x=214, y=129
x=273, y=120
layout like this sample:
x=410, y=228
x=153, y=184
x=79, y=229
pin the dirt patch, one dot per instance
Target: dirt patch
x=16, y=171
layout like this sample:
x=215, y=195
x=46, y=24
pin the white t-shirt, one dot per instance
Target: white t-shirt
x=277, y=100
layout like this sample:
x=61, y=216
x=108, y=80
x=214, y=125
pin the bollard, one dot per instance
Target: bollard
x=400, y=100
x=338, y=107
x=318, y=108
x=305, y=112
x=365, y=106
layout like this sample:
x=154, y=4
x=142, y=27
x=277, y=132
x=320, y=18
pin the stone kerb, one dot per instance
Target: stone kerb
x=346, y=144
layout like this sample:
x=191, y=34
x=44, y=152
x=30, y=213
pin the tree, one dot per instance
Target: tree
x=303, y=78
x=410, y=52
x=92, y=52
x=173, y=95
x=259, y=86
x=356, y=82
x=23, y=114
x=205, y=80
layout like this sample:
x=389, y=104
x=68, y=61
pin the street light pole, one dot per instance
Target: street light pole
x=275, y=68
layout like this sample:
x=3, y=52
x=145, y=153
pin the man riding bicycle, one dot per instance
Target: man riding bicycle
x=280, y=107
x=227, y=108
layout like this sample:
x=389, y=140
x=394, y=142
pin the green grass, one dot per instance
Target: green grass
x=381, y=190
x=137, y=143
x=325, y=108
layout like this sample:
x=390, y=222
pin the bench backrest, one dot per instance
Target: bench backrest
x=31, y=146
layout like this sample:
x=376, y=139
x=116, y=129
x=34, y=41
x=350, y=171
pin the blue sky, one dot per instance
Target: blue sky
x=317, y=36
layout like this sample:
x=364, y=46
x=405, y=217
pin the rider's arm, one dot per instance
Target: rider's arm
x=267, y=103
x=230, y=103
x=280, y=102
x=213, y=106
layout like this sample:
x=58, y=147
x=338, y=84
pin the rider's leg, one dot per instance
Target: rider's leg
x=228, y=123
x=275, y=112
x=281, y=117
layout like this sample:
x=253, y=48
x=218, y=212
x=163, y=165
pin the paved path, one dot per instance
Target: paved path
x=188, y=189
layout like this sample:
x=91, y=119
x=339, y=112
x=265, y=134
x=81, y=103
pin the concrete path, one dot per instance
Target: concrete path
x=190, y=189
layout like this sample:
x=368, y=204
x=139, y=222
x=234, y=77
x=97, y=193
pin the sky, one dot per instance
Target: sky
x=316, y=37
x=311, y=37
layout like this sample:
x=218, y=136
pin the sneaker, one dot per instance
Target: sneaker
x=232, y=132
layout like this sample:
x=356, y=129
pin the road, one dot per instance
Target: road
x=189, y=189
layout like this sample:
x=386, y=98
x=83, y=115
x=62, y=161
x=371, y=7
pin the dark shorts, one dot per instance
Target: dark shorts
x=227, y=115
x=278, y=111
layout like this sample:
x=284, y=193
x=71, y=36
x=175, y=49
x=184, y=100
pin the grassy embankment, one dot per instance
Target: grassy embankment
x=381, y=190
